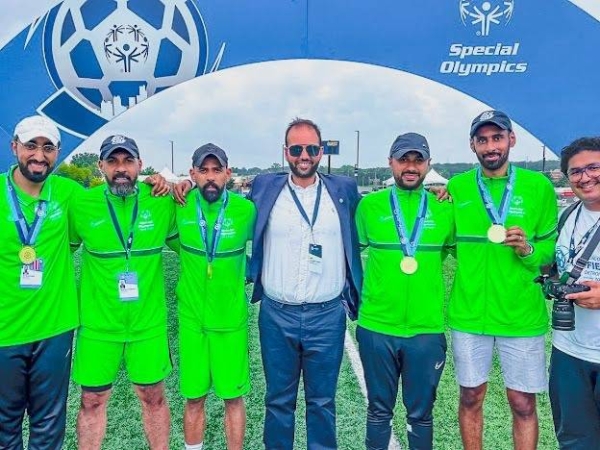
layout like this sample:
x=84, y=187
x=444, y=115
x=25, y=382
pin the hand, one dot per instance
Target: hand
x=160, y=186
x=587, y=299
x=515, y=237
x=180, y=190
x=441, y=193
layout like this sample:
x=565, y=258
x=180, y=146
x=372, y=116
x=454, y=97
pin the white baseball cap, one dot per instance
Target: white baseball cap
x=37, y=126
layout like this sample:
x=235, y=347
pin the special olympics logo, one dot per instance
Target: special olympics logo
x=112, y=54
x=126, y=44
x=483, y=14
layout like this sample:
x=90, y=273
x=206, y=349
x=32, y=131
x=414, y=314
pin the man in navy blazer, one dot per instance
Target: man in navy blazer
x=307, y=271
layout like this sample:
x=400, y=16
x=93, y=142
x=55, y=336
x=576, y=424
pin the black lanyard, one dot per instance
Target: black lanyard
x=573, y=250
x=129, y=243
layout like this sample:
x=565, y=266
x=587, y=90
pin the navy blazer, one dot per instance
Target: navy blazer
x=344, y=194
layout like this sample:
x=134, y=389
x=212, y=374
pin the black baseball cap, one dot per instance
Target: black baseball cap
x=207, y=150
x=409, y=142
x=494, y=117
x=118, y=142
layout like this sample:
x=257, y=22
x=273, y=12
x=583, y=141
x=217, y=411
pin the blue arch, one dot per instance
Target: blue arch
x=538, y=63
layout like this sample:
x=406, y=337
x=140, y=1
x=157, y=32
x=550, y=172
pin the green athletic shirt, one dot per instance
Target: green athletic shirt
x=103, y=315
x=29, y=315
x=493, y=291
x=217, y=303
x=394, y=303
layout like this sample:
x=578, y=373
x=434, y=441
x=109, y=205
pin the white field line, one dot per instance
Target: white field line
x=358, y=371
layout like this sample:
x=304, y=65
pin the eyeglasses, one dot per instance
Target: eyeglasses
x=311, y=149
x=592, y=171
x=32, y=147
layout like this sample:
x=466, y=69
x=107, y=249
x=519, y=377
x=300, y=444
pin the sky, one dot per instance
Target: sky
x=245, y=110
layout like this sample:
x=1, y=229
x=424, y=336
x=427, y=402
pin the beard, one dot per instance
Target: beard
x=35, y=177
x=493, y=165
x=211, y=195
x=120, y=188
x=304, y=173
x=409, y=185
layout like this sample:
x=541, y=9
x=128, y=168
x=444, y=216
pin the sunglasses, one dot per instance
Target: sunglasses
x=296, y=150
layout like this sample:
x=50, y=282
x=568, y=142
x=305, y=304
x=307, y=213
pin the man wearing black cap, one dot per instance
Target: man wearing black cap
x=505, y=230
x=307, y=274
x=400, y=329
x=123, y=313
x=214, y=227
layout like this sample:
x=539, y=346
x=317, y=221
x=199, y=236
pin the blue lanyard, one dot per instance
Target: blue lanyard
x=210, y=253
x=28, y=235
x=409, y=246
x=574, y=251
x=498, y=216
x=315, y=213
x=129, y=243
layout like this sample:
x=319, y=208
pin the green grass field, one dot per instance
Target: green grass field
x=125, y=429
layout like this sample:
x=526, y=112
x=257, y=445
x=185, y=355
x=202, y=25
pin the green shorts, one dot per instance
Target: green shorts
x=214, y=358
x=97, y=362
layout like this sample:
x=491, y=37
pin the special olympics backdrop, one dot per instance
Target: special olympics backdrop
x=84, y=62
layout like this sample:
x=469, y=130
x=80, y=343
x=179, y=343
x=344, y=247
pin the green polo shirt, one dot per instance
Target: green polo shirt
x=393, y=302
x=494, y=292
x=104, y=315
x=218, y=302
x=28, y=315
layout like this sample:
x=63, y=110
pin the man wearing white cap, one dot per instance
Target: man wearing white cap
x=38, y=300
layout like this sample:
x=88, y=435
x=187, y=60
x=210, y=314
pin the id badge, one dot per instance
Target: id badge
x=128, y=287
x=31, y=275
x=315, y=258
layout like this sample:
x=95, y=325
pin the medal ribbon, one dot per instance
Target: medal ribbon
x=498, y=217
x=27, y=234
x=216, y=235
x=129, y=243
x=573, y=250
x=409, y=246
x=315, y=213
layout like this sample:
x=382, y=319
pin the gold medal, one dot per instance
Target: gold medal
x=209, y=270
x=27, y=254
x=409, y=265
x=496, y=234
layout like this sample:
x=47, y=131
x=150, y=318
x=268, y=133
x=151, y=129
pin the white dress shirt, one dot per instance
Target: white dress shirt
x=286, y=276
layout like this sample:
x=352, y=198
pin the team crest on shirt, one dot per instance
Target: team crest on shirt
x=53, y=211
x=145, y=221
x=227, y=229
x=516, y=206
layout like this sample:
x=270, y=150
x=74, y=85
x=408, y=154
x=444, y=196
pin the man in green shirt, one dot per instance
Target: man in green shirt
x=38, y=298
x=214, y=227
x=400, y=329
x=123, y=229
x=505, y=230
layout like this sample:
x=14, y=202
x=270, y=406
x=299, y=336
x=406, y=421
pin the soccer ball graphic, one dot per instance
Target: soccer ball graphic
x=112, y=54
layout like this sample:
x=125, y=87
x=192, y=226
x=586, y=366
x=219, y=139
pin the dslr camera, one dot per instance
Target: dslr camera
x=563, y=311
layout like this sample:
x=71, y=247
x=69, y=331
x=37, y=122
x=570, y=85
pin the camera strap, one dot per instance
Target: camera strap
x=575, y=273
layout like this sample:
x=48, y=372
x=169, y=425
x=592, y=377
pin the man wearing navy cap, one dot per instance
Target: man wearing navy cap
x=123, y=229
x=400, y=330
x=505, y=230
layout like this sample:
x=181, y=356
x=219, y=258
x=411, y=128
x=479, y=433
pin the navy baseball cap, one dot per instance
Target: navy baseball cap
x=118, y=142
x=409, y=142
x=493, y=117
x=207, y=150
